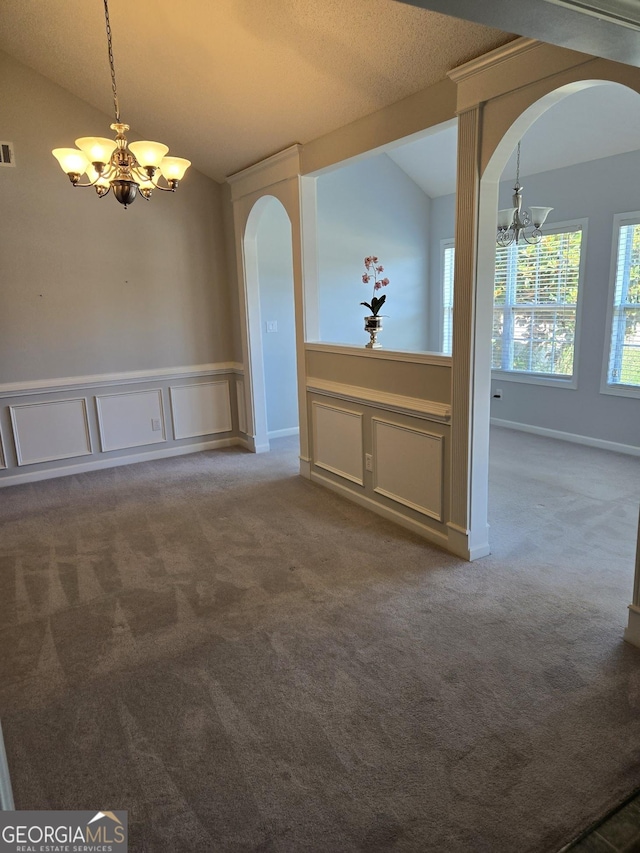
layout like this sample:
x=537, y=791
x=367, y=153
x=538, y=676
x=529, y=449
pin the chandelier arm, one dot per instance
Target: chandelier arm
x=92, y=184
x=114, y=88
x=505, y=238
x=143, y=176
x=534, y=238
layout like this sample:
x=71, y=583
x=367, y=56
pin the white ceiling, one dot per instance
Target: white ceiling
x=590, y=124
x=229, y=82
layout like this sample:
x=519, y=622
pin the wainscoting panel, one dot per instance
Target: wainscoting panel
x=44, y=432
x=242, y=410
x=128, y=419
x=337, y=441
x=202, y=409
x=408, y=466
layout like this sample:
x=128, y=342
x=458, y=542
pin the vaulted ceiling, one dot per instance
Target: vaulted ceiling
x=229, y=82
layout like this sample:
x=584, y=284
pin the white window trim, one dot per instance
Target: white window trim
x=569, y=383
x=619, y=219
x=448, y=243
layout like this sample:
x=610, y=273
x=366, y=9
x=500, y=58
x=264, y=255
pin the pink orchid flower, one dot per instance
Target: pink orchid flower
x=373, y=271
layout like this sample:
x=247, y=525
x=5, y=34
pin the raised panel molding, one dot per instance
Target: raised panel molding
x=242, y=409
x=49, y=431
x=408, y=466
x=3, y=458
x=126, y=420
x=337, y=441
x=201, y=409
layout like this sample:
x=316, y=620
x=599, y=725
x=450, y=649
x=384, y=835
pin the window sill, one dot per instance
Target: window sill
x=620, y=390
x=569, y=383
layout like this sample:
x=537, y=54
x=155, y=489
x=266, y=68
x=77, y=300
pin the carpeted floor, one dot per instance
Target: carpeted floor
x=247, y=662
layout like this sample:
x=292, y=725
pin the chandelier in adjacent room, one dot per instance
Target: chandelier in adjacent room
x=513, y=222
x=112, y=164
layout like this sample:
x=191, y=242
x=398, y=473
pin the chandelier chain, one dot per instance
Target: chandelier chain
x=517, y=162
x=114, y=88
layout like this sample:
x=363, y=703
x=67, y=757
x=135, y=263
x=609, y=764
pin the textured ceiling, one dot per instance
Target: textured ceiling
x=230, y=82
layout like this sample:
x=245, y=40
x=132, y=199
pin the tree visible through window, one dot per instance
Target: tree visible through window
x=448, y=256
x=535, y=305
x=624, y=358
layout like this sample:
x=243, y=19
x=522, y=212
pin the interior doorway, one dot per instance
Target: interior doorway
x=268, y=244
x=552, y=377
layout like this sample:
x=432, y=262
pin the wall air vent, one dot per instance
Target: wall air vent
x=6, y=154
x=623, y=12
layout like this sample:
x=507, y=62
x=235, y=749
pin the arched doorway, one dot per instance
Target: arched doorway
x=495, y=159
x=268, y=264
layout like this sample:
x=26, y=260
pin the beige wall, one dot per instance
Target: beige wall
x=87, y=286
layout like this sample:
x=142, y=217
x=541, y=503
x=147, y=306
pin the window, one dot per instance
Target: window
x=448, y=258
x=535, y=305
x=624, y=353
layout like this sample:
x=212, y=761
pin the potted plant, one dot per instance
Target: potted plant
x=373, y=323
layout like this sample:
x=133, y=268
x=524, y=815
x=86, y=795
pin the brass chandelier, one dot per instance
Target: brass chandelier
x=513, y=222
x=113, y=164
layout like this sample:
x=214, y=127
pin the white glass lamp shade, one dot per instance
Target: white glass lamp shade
x=539, y=215
x=173, y=168
x=97, y=149
x=92, y=175
x=505, y=217
x=148, y=153
x=72, y=161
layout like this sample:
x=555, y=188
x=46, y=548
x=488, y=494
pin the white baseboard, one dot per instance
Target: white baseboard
x=114, y=462
x=422, y=530
x=632, y=631
x=460, y=546
x=283, y=433
x=587, y=440
x=305, y=468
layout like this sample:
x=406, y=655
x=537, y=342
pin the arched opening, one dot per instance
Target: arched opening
x=581, y=403
x=268, y=259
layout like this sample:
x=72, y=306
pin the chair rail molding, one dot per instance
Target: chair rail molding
x=426, y=409
x=126, y=377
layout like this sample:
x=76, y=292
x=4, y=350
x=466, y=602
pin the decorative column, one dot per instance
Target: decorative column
x=632, y=631
x=469, y=438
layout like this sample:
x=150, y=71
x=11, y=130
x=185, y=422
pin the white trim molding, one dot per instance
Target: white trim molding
x=128, y=377
x=587, y=440
x=341, y=447
x=512, y=50
x=45, y=433
x=209, y=412
x=279, y=167
x=409, y=471
x=409, y=523
x=426, y=409
x=114, y=461
x=136, y=420
x=632, y=632
x=3, y=458
x=614, y=388
x=283, y=433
